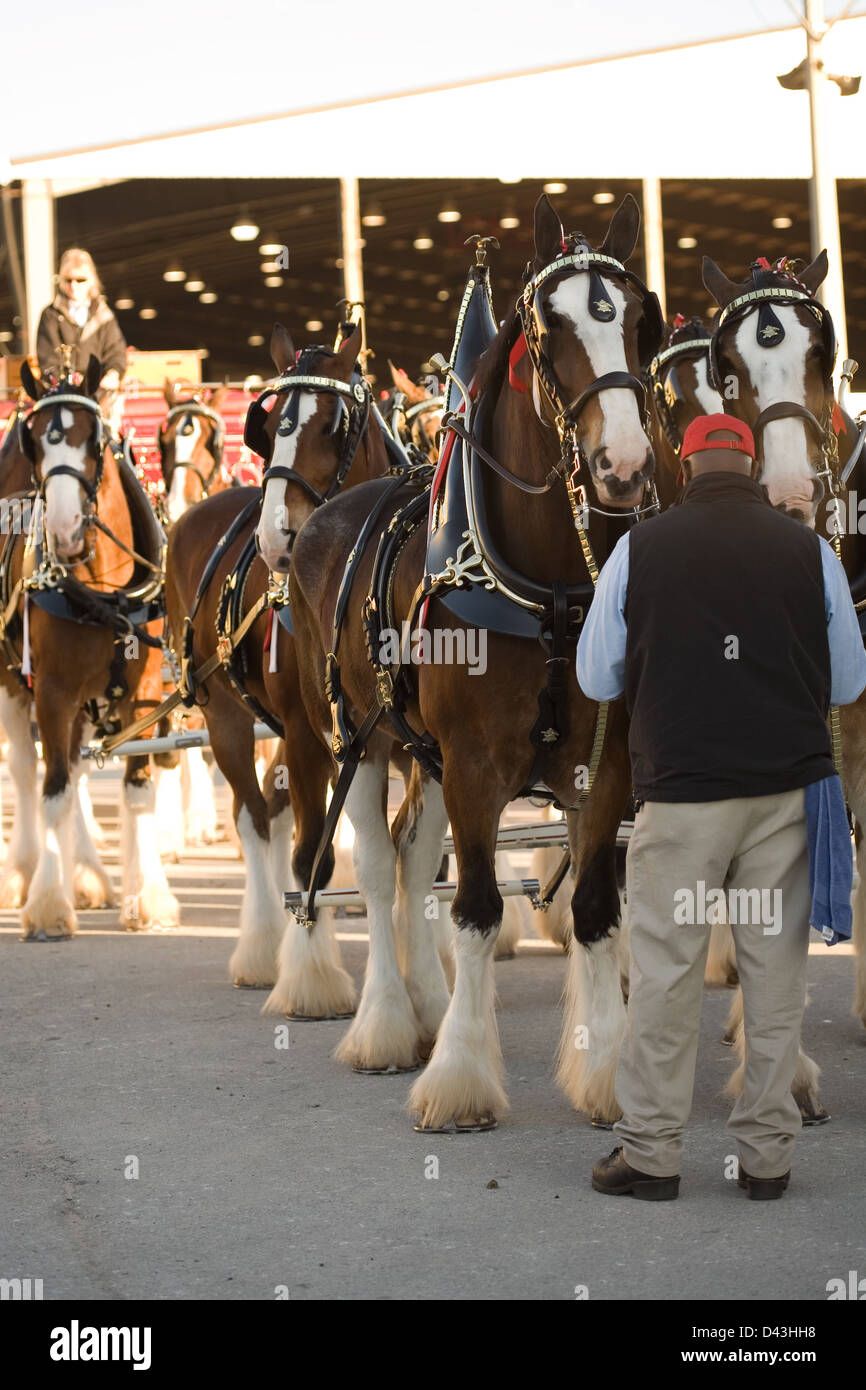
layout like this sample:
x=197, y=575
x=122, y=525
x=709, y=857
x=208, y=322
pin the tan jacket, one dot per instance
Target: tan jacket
x=100, y=337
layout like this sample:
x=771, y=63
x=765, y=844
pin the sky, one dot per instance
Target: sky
x=176, y=71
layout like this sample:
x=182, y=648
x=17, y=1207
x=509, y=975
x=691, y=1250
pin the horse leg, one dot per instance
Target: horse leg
x=23, y=852
x=312, y=982
x=169, y=806
x=147, y=899
x=385, y=1031
x=417, y=832
x=594, y=1017
x=721, y=971
x=48, y=911
x=859, y=932
x=92, y=885
x=853, y=723
x=200, y=817
x=463, y=1081
x=254, y=960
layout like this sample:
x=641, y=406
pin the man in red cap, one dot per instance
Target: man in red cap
x=730, y=630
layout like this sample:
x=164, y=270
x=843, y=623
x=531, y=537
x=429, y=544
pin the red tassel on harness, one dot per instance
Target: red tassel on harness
x=514, y=356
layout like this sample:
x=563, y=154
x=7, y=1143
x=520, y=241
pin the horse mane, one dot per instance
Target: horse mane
x=493, y=362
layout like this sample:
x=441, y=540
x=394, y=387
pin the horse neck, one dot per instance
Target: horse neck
x=535, y=534
x=371, y=457
x=109, y=566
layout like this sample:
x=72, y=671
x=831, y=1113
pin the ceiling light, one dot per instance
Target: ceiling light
x=255, y=340
x=374, y=216
x=603, y=197
x=273, y=282
x=511, y=179
x=687, y=243
x=174, y=272
x=244, y=228
x=556, y=187
x=448, y=215
x=314, y=325
x=124, y=303
x=443, y=295
x=509, y=221
x=270, y=246
x=338, y=263
x=147, y=313
x=781, y=223
x=208, y=297
x=194, y=286
x=270, y=267
x=6, y=336
x=423, y=242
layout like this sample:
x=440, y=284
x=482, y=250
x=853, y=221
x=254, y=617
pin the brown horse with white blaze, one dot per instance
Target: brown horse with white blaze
x=597, y=326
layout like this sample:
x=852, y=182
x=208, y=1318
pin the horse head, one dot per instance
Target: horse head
x=680, y=388
x=772, y=359
x=64, y=438
x=591, y=328
x=190, y=446
x=419, y=420
x=320, y=406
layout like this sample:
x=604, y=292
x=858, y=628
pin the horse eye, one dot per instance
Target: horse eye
x=553, y=320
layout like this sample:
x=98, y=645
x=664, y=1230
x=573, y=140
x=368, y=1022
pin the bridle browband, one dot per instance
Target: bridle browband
x=770, y=333
x=354, y=400
x=197, y=408
x=658, y=385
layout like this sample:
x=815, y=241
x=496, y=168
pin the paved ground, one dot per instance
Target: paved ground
x=261, y=1167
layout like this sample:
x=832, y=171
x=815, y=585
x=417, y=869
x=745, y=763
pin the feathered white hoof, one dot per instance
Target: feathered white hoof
x=721, y=971
x=200, y=828
x=593, y=1023
x=14, y=887
x=49, y=914
x=804, y=1089
x=461, y=1087
x=384, y=1034
x=311, y=982
x=254, y=961
x=92, y=889
x=154, y=906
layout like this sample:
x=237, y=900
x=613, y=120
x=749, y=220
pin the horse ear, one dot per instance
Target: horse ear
x=168, y=392
x=350, y=347
x=93, y=375
x=548, y=232
x=717, y=283
x=816, y=273
x=282, y=348
x=217, y=396
x=32, y=384
x=623, y=231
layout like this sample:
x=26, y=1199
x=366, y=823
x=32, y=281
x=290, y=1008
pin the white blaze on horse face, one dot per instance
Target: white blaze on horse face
x=779, y=374
x=63, y=496
x=184, y=448
x=707, y=397
x=623, y=436
x=284, y=508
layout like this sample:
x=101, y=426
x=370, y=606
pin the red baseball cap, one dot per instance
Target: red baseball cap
x=697, y=435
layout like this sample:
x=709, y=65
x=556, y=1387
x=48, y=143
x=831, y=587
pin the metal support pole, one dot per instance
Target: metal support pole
x=823, y=206
x=40, y=257
x=353, y=264
x=653, y=238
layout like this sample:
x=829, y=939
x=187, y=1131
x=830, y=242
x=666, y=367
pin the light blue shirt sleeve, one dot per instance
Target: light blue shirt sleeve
x=847, y=654
x=601, y=649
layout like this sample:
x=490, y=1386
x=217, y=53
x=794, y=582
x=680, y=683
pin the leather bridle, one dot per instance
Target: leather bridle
x=215, y=448
x=351, y=418
x=54, y=435
x=658, y=381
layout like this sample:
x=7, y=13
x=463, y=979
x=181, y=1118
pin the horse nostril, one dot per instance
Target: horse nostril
x=604, y=463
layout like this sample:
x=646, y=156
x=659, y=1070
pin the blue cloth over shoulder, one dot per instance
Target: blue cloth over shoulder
x=831, y=868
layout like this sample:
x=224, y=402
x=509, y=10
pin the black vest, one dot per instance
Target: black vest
x=727, y=671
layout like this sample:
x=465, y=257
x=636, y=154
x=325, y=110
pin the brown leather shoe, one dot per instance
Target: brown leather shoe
x=762, y=1189
x=616, y=1178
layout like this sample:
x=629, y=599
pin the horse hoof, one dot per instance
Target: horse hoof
x=243, y=984
x=480, y=1126
x=598, y=1123
x=506, y=955
x=392, y=1070
x=811, y=1116
x=319, y=1018
x=727, y=1040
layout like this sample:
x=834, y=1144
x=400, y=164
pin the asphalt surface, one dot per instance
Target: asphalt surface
x=261, y=1167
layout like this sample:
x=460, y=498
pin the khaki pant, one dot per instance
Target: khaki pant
x=745, y=843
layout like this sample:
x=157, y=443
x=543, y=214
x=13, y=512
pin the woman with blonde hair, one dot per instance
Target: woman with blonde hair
x=80, y=318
